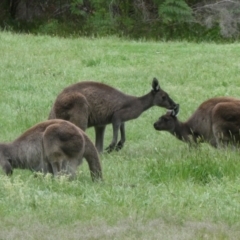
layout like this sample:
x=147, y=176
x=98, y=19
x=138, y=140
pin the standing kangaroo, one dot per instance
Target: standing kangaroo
x=216, y=121
x=53, y=146
x=88, y=104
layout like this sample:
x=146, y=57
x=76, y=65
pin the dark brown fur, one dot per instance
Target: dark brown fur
x=52, y=146
x=216, y=121
x=88, y=104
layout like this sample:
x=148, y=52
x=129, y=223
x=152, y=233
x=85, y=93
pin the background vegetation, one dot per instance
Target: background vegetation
x=155, y=187
x=198, y=20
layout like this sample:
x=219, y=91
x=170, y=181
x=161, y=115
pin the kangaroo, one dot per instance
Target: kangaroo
x=216, y=121
x=53, y=146
x=92, y=104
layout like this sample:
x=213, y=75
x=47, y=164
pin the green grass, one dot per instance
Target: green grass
x=155, y=187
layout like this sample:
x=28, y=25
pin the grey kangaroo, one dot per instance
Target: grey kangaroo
x=216, y=121
x=88, y=104
x=53, y=146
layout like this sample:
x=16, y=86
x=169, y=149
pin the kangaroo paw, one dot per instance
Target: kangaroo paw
x=109, y=149
x=119, y=146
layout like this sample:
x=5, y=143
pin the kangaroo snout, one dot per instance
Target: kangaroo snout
x=155, y=126
x=173, y=105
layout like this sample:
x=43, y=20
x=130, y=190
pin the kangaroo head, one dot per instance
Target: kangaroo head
x=161, y=98
x=167, y=122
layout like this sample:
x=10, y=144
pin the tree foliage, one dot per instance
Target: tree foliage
x=129, y=17
x=175, y=11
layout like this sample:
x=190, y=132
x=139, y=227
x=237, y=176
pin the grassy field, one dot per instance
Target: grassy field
x=155, y=187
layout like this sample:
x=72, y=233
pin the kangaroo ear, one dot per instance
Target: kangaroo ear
x=175, y=111
x=155, y=85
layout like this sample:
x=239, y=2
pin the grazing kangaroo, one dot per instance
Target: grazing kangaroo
x=216, y=121
x=88, y=104
x=53, y=146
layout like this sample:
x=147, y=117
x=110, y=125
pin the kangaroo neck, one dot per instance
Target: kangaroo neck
x=182, y=131
x=146, y=101
x=137, y=105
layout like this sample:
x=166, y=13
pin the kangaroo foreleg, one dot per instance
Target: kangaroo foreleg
x=6, y=166
x=116, y=127
x=123, y=138
x=57, y=168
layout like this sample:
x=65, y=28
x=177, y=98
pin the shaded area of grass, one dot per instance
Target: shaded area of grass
x=127, y=229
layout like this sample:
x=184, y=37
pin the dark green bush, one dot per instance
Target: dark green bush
x=150, y=19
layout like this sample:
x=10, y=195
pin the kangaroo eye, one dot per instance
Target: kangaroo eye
x=163, y=97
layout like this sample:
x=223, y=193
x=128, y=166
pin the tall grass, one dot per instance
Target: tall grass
x=197, y=166
x=155, y=187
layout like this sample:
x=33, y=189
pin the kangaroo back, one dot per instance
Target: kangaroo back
x=226, y=123
x=94, y=102
x=202, y=119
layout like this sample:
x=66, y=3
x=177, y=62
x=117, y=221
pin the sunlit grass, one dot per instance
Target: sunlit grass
x=155, y=187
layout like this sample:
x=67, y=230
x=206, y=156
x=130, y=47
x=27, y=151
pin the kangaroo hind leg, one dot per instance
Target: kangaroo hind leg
x=99, y=132
x=93, y=160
